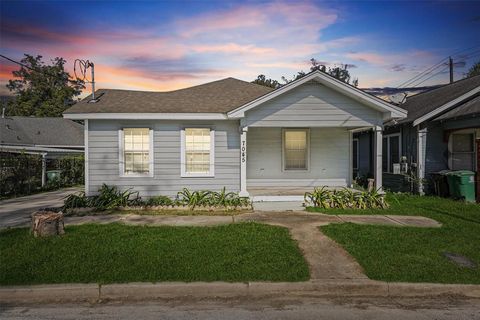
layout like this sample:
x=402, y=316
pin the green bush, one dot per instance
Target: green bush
x=21, y=173
x=345, y=198
x=159, y=201
x=109, y=197
x=205, y=198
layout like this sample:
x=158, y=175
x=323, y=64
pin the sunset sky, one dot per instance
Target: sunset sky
x=168, y=45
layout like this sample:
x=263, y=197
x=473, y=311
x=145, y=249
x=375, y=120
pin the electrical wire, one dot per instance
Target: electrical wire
x=19, y=63
x=438, y=65
x=424, y=73
x=443, y=70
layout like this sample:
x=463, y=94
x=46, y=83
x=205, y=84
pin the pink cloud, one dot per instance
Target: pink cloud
x=369, y=57
x=232, y=48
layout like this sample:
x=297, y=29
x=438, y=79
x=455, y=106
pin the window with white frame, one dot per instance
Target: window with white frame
x=136, y=154
x=462, y=151
x=295, y=149
x=391, y=152
x=198, y=152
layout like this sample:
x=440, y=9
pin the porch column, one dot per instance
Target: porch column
x=44, y=169
x=378, y=137
x=421, y=146
x=243, y=162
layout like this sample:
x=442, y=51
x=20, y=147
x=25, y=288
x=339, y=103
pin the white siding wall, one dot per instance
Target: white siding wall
x=104, y=157
x=312, y=104
x=329, y=159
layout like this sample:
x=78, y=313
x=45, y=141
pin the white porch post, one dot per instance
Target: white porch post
x=243, y=162
x=378, y=137
x=44, y=169
x=421, y=146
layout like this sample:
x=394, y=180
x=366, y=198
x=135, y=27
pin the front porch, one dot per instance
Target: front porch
x=322, y=157
x=282, y=194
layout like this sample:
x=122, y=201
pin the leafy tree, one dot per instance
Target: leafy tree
x=340, y=72
x=263, y=81
x=42, y=90
x=474, y=70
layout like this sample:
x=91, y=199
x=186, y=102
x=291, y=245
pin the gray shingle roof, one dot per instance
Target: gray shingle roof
x=422, y=103
x=217, y=96
x=31, y=131
x=469, y=108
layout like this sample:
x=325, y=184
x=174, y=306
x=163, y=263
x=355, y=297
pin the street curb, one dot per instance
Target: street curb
x=50, y=293
x=172, y=290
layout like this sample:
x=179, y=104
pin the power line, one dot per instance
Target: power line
x=424, y=73
x=19, y=63
x=416, y=85
x=438, y=65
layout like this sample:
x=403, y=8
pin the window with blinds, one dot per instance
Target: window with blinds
x=136, y=150
x=295, y=149
x=198, y=148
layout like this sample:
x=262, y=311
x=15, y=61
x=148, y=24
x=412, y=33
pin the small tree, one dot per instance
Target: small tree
x=340, y=72
x=42, y=90
x=474, y=70
x=263, y=81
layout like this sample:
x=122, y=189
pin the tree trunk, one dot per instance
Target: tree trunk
x=47, y=223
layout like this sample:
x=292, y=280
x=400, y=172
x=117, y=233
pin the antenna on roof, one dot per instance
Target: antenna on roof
x=398, y=98
x=83, y=66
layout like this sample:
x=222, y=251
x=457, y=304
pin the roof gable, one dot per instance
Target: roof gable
x=331, y=82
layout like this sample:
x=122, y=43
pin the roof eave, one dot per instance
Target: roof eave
x=445, y=107
x=145, y=116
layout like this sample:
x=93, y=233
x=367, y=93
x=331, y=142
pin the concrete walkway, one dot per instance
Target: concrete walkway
x=17, y=211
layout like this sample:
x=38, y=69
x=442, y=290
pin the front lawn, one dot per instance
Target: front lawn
x=116, y=253
x=414, y=254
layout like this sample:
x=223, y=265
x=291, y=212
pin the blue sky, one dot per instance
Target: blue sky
x=169, y=45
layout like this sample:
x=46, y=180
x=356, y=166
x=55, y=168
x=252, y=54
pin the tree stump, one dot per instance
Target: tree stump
x=47, y=223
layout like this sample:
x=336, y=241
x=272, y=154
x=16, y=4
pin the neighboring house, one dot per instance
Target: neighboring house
x=49, y=137
x=441, y=132
x=229, y=133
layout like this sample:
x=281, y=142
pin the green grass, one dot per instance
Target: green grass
x=414, y=254
x=117, y=253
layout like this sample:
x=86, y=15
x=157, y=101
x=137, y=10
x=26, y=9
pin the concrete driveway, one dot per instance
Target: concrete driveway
x=17, y=211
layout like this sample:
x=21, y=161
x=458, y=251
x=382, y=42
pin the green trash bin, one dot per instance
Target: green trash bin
x=461, y=184
x=53, y=174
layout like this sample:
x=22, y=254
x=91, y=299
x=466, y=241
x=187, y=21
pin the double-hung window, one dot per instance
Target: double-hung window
x=136, y=156
x=462, y=151
x=295, y=149
x=197, y=152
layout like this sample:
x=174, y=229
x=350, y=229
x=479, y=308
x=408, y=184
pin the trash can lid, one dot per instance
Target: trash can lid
x=461, y=173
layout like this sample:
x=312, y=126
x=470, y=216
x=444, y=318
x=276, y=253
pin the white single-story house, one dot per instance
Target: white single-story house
x=230, y=133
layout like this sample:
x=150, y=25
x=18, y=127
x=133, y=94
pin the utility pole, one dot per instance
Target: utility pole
x=450, y=64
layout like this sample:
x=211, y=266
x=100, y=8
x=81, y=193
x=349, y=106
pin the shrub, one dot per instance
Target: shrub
x=109, y=197
x=207, y=198
x=159, y=201
x=345, y=198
